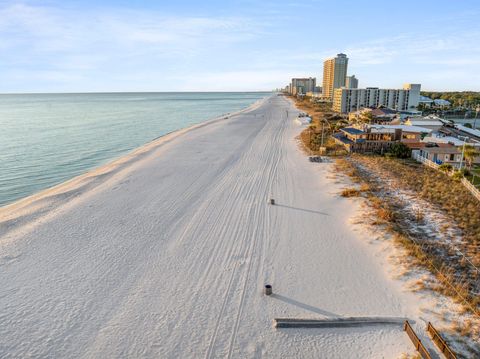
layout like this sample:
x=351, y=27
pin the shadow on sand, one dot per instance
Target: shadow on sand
x=301, y=209
x=305, y=306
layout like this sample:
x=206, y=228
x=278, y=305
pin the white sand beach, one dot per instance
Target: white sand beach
x=165, y=253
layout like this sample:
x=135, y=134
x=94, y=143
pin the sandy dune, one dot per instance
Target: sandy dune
x=166, y=257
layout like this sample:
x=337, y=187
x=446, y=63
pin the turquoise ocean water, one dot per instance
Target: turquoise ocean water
x=46, y=139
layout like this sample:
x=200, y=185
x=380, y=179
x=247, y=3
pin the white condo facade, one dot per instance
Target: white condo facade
x=351, y=99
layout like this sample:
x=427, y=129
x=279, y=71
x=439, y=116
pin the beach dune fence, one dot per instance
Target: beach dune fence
x=416, y=341
x=440, y=343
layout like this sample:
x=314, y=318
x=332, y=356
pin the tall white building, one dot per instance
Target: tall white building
x=303, y=85
x=351, y=99
x=334, y=74
x=351, y=82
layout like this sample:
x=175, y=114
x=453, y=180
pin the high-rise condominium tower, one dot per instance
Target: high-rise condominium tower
x=352, y=82
x=334, y=74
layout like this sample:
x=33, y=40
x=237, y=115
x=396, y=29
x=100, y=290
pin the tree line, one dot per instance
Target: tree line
x=469, y=99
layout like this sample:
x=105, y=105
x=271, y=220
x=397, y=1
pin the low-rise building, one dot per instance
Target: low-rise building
x=432, y=122
x=459, y=131
x=438, y=138
x=439, y=153
x=378, y=115
x=410, y=114
x=410, y=134
x=378, y=138
x=425, y=101
x=441, y=102
x=368, y=140
x=472, y=134
x=428, y=102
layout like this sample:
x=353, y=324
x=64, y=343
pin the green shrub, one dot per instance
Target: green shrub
x=457, y=175
x=400, y=150
x=445, y=167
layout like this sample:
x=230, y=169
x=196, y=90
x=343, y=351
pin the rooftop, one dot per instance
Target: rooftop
x=404, y=128
x=445, y=139
x=342, y=138
x=414, y=122
x=442, y=149
x=425, y=99
x=441, y=102
x=352, y=130
x=471, y=131
x=383, y=112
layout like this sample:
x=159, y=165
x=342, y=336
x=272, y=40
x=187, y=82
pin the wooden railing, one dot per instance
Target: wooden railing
x=440, y=343
x=468, y=185
x=424, y=160
x=416, y=341
x=471, y=188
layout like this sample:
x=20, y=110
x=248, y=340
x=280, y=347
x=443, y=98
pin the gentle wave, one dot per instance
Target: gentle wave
x=49, y=138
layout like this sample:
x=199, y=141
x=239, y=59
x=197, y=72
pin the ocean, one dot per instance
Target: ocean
x=46, y=139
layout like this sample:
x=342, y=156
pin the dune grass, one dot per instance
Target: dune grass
x=456, y=278
x=324, y=124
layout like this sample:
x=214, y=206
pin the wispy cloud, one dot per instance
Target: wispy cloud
x=57, y=46
x=437, y=48
x=57, y=41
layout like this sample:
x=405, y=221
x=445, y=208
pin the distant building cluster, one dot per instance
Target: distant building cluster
x=381, y=117
x=343, y=91
x=302, y=86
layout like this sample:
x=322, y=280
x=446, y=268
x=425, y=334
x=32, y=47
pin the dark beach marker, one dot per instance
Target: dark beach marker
x=268, y=289
x=272, y=201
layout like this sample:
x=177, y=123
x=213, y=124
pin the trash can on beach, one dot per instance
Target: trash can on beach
x=272, y=201
x=268, y=289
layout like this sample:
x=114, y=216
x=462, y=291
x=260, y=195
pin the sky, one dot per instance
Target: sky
x=94, y=46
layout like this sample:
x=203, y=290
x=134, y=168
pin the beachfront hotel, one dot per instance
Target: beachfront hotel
x=351, y=99
x=300, y=86
x=334, y=74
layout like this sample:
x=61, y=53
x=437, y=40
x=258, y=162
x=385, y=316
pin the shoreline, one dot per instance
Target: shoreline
x=13, y=210
x=183, y=234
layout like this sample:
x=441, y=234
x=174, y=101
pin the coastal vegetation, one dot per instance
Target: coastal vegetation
x=457, y=98
x=325, y=122
x=400, y=150
x=383, y=176
x=470, y=153
x=433, y=218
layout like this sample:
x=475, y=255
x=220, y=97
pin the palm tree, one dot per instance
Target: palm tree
x=470, y=153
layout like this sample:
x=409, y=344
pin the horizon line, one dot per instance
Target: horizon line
x=118, y=92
